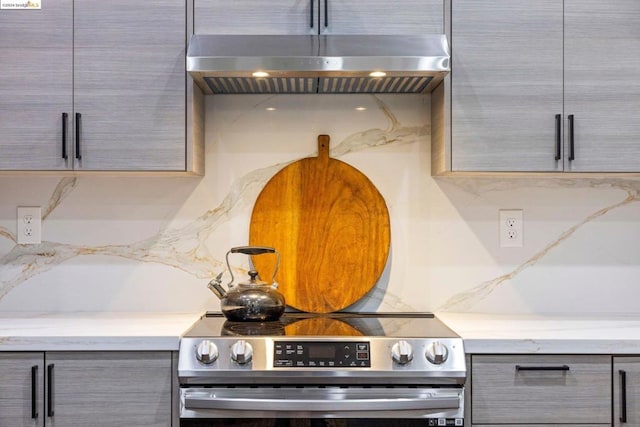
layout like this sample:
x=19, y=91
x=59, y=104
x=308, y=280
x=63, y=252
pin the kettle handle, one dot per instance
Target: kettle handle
x=253, y=250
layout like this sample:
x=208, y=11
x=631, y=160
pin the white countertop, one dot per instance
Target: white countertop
x=93, y=331
x=482, y=333
x=593, y=334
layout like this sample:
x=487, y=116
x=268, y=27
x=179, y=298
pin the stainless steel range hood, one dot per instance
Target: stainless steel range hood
x=226, y=64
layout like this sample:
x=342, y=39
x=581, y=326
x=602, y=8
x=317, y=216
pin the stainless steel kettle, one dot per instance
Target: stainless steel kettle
x=255, y=300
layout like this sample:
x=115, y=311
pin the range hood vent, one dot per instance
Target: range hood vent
x=226, y=64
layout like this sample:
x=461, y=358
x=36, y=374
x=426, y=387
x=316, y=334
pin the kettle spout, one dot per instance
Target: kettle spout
x=215, y=287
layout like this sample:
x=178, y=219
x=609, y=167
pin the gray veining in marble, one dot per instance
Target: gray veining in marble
x=465, y=301
x=181, y=248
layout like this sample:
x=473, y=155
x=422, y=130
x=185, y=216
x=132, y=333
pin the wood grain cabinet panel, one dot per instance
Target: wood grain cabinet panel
x=602, y=88
x=97, y=389
x=36, y=86
x=116, y=69
x=541, y=389
x=21, y=389
x=381, y=17
x=626, y=391
x=110, y=389
x=129, y=84
x=319, y=17
x=541, y=86
x=506, y=86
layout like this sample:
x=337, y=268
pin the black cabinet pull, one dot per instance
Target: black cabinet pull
x=571, y=139
x=542, y=368
x=50, y=386
x=326, y=13
x=34, y=392
x=78, y=117
x=311, y=17
x=558, y=136
x=623, y=395
x=65, y=120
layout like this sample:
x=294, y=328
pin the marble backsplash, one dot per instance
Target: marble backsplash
x=153, y=243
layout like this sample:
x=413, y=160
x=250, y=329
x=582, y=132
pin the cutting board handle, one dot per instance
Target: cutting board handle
x=323, y=146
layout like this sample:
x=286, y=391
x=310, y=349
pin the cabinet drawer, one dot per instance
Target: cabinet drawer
x=540, y=389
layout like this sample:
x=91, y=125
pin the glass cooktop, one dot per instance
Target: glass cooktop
x=418, y=325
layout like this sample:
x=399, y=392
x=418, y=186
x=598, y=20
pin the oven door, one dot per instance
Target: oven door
x=345, y=406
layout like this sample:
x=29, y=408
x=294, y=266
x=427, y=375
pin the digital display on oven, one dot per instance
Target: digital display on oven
x=321, y=354
x=317, y=351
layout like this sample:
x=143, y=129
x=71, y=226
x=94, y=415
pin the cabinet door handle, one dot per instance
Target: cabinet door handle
x=571, y=139
x=311, y=17
x=50, y=387
x=558, y=136
x=623, y=395
x=542, y=368
x=78, y=121
x=34, y=392
x=65, y=123
x=326, y=13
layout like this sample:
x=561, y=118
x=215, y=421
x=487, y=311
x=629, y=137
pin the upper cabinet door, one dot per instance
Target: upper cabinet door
x=602, y=84
x=36, y=61
x=381, y=17
x=506, y=84
x=129, y=79
x=255, y=17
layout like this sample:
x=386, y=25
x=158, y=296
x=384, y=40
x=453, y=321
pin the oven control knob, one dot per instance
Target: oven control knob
x=437, y=353
x=402, y=352
x=241, y=352
x=206, y=352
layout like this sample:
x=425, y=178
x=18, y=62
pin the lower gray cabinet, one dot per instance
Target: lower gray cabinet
x=21, y=389
x=512, y=390
x=626, y=391
x=74, y=389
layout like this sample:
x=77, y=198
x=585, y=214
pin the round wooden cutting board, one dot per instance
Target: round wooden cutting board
x=331, y=226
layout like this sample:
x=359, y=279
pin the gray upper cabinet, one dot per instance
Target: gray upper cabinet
x=255, y=17
x=21, y=389
x=602, y=84
x=381, y=17
x=543, y=86
x=36, y=85
x=116, y=69
x=129, y=85
x=506, y=84
x=318, y=17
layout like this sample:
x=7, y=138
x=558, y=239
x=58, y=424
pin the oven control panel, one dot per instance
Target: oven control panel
x=321, y=354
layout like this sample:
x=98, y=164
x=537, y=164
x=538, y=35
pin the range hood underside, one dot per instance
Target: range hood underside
x=226, y=85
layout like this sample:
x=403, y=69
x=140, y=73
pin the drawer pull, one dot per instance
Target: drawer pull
x=572, y=153
x=34, y=392
x=50, y=386
x=558, y=136
x=542, y=368
x=623, y=395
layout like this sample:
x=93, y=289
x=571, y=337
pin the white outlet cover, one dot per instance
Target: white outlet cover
x=511, y=228
x=29, y=225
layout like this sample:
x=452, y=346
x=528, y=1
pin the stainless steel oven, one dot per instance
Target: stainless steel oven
x=341, y=369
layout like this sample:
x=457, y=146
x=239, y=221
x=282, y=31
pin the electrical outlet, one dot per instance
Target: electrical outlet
x=29, y=227
x=511, y=228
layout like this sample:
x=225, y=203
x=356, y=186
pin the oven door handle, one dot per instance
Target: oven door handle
x=321, y=402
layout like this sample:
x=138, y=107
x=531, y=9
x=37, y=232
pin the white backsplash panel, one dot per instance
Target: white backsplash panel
x=153, y=243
